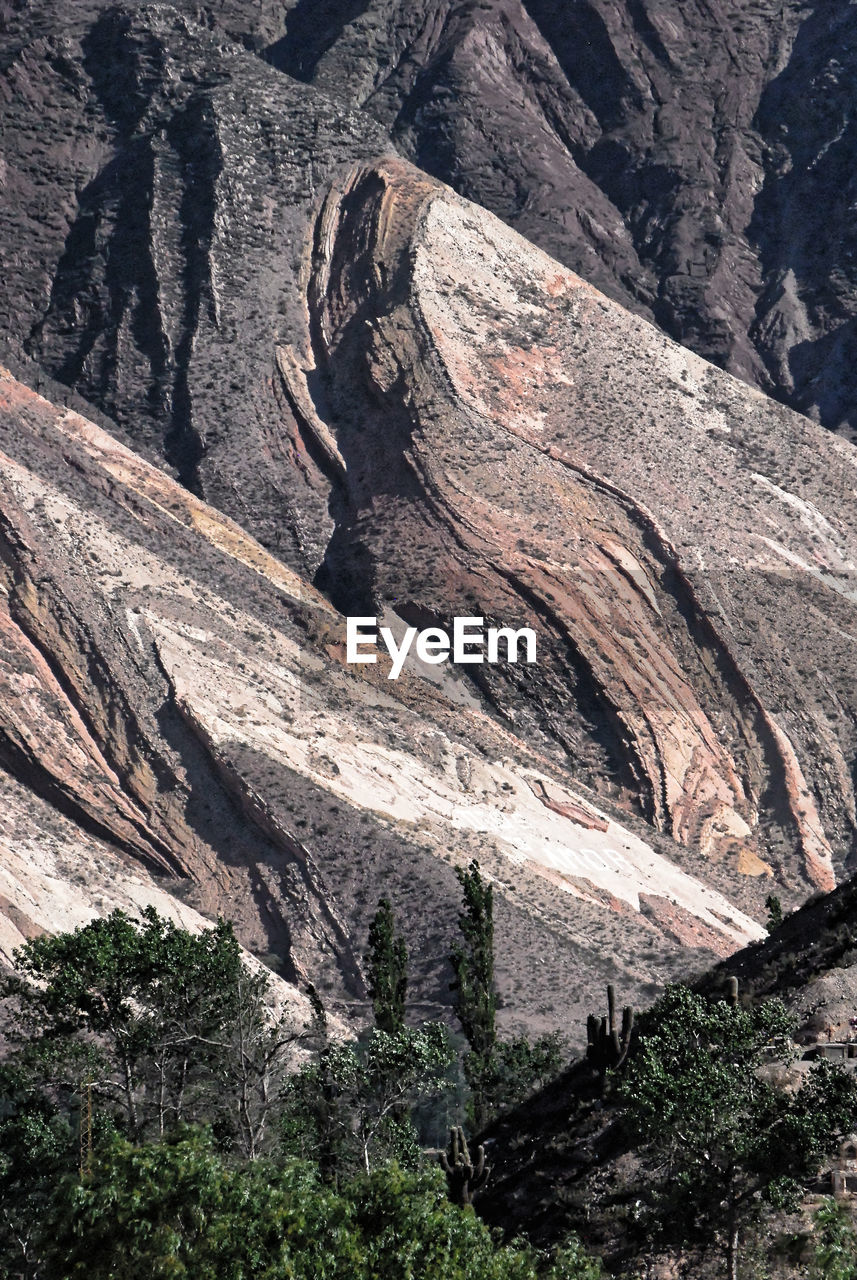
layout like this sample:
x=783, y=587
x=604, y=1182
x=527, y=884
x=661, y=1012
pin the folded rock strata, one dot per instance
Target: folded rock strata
x=518, y=447
x=379, y=399
x=178, y=718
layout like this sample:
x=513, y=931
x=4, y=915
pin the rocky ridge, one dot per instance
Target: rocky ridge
x=379, y=399
x=557, y=461
x=178, y=719
x=693, y=160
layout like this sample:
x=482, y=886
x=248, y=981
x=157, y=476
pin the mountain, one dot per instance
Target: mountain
x=178, y=719
x=263, y=372
x=695, y=161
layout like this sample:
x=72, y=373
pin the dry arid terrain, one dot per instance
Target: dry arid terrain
x=264, y=369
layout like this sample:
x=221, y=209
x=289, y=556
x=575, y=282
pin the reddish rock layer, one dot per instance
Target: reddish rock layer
x=515, y=446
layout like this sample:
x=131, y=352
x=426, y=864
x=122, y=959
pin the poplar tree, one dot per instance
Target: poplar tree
x=387, y=963
x=472, y=960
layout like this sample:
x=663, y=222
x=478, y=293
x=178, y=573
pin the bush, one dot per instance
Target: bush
x=177, y=1210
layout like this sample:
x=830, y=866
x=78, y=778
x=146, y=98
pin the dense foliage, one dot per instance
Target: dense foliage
x=349, y=1108
x=836, y=1243
x=701, y=1090
x=159, y=1119
x=176, y=1209
x=165, y=1026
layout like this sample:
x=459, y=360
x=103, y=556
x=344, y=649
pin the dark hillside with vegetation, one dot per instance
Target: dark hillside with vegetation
x=819, y=937
x=158, y=1111
x=572, y=1158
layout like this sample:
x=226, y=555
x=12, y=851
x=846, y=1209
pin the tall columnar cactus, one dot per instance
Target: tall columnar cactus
x=607, y=1044
x=464, y=1177
x=733, y=992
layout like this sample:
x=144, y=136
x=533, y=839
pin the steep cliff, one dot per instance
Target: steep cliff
x=695, y=162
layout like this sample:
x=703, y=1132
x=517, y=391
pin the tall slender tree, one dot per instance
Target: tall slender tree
x=387, y=964
x=472, y=960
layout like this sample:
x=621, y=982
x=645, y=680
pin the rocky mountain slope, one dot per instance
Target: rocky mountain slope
x=327, y=384
x=694, y=161
x=178, y=719
x=564, y=1160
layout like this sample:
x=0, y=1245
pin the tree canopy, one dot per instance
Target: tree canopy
x=164, y=1025
x=732, y=1141
x=475, y=998
x=349, y=1107
x=177, y=1210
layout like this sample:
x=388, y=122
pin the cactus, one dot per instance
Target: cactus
x=621, y=1043
x=733, y=992
x=607, y=1045
x=463, y=1177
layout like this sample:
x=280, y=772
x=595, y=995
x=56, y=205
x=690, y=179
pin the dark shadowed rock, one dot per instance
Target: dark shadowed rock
x=695, y=160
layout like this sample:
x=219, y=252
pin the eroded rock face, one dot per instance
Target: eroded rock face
x=178, y=719
x=158, y=182
x=693, y=160
x=518, y=447
x=380, y=399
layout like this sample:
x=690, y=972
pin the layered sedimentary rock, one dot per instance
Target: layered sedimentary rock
x=325, y=384
x=178, y=719
x=514, y=445
x=493, y=438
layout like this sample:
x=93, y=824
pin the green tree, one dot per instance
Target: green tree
x=38, y=1147
x=348, y=1110
x=176, y=1210
x=775, y=912
x=519, y=1066
x=256, y=1050
x=165, y=1025
x=472, y=960
x=835, y=1243
x=733, y=1144
x=410, y=1229
x=387, y=964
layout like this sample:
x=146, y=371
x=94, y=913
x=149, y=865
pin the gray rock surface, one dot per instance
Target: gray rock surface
x=177, y=721
x=694, y=160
